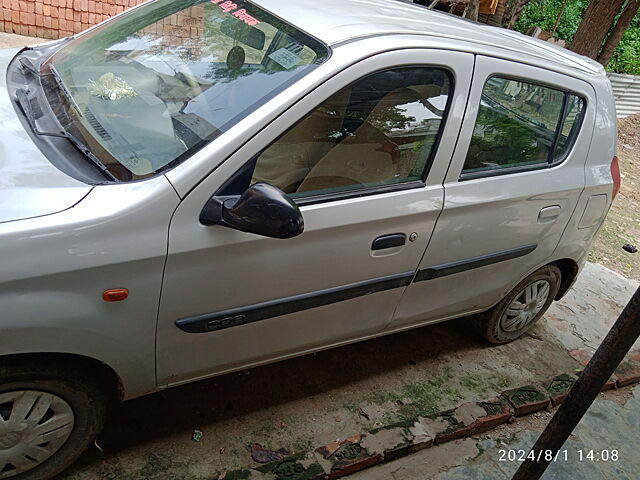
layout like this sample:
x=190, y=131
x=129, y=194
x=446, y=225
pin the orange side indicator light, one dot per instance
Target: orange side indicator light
x=115, y=295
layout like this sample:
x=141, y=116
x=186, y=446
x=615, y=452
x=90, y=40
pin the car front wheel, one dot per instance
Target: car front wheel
x=521, y=308
x=48, y=417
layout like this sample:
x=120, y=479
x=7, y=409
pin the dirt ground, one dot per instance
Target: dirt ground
x=308, y=401
x=623, y=222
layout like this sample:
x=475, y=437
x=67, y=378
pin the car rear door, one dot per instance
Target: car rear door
x=370, y=192
x=512, y=187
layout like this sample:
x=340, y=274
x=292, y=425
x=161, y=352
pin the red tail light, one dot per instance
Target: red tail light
x=615, y=173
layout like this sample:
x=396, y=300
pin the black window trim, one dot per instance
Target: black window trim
x=573, y=136
x=551, y=161
x=247, y=314
x=356, y=192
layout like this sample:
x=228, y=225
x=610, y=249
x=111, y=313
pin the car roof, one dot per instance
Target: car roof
x=339, y=21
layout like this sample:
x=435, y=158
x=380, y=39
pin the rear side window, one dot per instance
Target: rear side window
x=522, y=124
x=379, y=132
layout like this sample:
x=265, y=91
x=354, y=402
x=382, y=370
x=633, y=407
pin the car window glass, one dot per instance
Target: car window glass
x=572, y=121
x=379, y=131
x=516, y=125
x=160, y=82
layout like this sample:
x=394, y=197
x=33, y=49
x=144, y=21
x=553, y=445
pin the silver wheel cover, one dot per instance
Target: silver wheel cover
x=33, y=426
x=525, y=307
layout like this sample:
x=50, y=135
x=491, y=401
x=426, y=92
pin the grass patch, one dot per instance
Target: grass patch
x=441, y=391
x=485, y=383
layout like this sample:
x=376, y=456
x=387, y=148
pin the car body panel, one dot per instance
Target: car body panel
x=576, y=242
x=212, y=269
x=55, y=268
x=339, y=21
x=31, y=186
x=485, y=216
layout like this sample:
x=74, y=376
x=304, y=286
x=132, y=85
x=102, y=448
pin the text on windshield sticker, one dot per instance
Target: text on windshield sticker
x=241, y=14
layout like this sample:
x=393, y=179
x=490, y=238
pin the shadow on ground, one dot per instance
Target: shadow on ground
x=310, y=400
x=235, y=395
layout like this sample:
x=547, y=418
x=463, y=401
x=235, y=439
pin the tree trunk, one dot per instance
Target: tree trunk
x=473, y=10
x=557, y=24
x=512, y=12
x=596, y=23
x=618, y=31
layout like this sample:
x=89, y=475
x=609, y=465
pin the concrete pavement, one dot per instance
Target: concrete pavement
x=610, y=429
x=10, y=40
x=603, y=447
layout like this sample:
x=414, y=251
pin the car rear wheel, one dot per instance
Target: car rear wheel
x=48, y=417
x=521, y=308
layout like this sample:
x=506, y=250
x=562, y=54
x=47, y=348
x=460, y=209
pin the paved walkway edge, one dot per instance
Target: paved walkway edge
x=394, y=441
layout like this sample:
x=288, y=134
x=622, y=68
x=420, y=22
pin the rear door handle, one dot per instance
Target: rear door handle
x=549, y=214
x=389, y=241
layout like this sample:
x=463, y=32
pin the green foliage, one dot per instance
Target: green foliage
x=543, y=14
x=389, y=118
x=505, y=139
x=626, y=58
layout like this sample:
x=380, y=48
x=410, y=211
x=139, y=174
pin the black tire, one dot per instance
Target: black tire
x=78, y=389
x=489, y=324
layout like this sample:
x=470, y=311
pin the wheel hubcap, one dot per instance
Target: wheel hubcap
x=33, y=426
x=9, y=441
x=525, y=307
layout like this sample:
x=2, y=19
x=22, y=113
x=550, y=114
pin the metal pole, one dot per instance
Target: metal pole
x=611, y=352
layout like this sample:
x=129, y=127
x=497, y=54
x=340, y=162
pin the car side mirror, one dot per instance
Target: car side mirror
x=262, y=209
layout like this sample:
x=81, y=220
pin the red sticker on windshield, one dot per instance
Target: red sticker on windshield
x=241, y=14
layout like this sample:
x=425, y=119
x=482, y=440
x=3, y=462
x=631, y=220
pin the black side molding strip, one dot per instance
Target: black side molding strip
x=254, y=313
x=476, y=262
x=283, y=306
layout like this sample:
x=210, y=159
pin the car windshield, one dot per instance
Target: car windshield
x=148, y=89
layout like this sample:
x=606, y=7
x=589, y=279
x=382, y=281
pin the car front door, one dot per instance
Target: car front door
x=513, y=185
x=364, y=157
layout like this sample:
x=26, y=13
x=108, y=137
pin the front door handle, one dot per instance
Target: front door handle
x=389, y=241
x=549, y=214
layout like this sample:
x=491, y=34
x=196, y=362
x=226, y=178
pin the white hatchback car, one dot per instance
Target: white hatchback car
x=201, y=186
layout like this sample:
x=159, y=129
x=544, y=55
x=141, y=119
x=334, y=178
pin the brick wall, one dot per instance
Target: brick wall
x=183, y=30
x=61, y=18
x=57, y=18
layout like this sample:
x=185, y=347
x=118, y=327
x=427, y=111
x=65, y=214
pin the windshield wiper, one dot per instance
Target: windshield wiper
x=27, y=66
x=22, y=97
